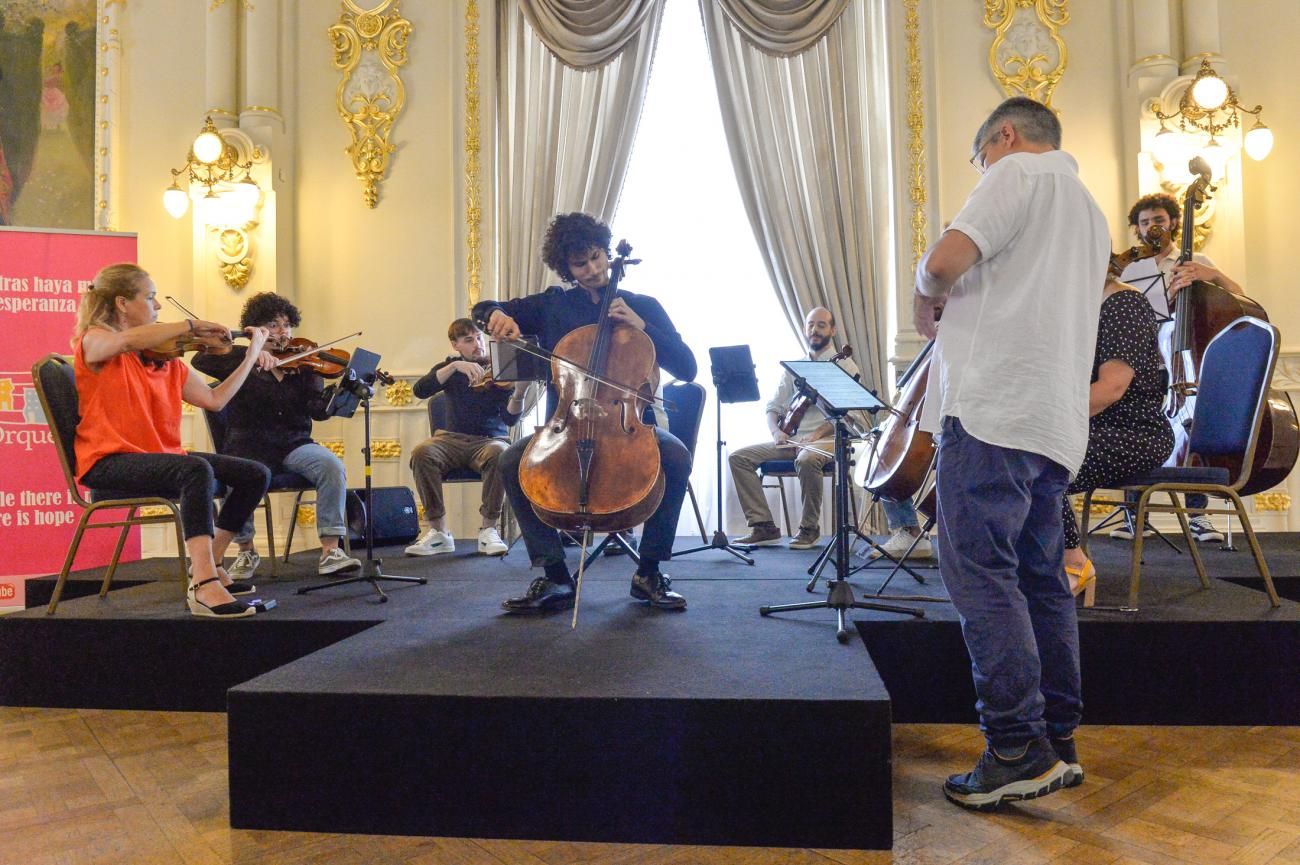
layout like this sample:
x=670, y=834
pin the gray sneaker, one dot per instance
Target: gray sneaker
x=1069, y=755
x=245, y=565
x=336, y=560
x=997, y=779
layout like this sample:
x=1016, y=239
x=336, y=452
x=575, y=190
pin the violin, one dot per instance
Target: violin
x=1147, y=247
x=487, y=382
x=789, y=423
x=187, y=342
x=301, y=353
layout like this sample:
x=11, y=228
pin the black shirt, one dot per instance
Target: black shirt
x=266, y=419
x=469, y=412
x=557, y=311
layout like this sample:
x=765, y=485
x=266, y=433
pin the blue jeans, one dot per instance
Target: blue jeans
x=325, y=472
x=1001, y=550
x=900, y=515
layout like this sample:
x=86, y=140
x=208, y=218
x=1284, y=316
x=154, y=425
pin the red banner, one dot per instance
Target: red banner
x=42, y=277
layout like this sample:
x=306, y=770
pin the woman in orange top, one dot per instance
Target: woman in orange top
x=129, y=436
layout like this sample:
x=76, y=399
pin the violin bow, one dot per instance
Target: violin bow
x=291, y=358
x=529, y=348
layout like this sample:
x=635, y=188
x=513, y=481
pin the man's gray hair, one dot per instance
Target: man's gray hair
x=1034, y=121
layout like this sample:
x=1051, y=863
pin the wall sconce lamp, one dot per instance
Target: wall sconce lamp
x=1209, y=105
x=218, y=176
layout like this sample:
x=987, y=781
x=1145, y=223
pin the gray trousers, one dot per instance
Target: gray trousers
x=807, y=464
x=434, y=457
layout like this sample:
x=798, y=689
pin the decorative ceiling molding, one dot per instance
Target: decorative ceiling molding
x=1028, y=55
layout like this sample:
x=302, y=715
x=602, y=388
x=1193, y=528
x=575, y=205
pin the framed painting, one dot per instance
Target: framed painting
x=57, y=69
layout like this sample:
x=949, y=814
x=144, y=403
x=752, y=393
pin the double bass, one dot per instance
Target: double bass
x=1202, y=310
x=594, y=465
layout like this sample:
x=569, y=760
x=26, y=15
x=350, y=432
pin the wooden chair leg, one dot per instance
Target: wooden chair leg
x=785, y=508
x=1249, y=530
x=1135, y=568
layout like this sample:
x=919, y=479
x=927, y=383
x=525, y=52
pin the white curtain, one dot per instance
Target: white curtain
x=572, y=77
x=798, y=88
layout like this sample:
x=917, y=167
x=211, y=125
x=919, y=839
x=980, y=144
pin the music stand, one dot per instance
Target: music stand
x=734, y=381
x=356, y=387
x=837, y=393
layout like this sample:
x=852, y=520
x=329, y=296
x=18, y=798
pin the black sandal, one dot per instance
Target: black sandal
x=229, y=610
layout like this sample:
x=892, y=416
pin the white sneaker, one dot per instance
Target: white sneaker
x=337, y=560
x=898, y=543
x=245, y=564
x=432, y=543
x=490, y=543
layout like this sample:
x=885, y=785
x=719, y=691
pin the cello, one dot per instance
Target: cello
x=594, y=465
x=905, y=451
x=1201, y=310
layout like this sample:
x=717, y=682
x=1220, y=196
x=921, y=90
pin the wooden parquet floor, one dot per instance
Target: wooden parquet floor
x=84, y=786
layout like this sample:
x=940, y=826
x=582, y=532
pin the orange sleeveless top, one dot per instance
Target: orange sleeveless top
x=127, y=407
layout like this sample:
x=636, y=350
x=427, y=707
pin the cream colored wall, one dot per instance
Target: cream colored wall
x=1087, y=99
x=390, y=272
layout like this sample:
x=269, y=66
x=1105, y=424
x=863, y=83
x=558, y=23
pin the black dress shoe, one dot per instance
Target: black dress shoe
x=543, y=596
x=655, y=590
x=614, y=548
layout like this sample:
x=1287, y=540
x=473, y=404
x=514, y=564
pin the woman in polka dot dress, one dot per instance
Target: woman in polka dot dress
x=1128, y=433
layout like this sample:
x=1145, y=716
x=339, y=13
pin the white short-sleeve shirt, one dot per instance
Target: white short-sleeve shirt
x=1013, y=357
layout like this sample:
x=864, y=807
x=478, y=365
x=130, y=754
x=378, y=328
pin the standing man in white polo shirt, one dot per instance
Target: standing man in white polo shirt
x=1017, y=278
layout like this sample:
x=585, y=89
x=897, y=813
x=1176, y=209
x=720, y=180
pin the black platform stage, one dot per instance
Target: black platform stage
x=435, y=714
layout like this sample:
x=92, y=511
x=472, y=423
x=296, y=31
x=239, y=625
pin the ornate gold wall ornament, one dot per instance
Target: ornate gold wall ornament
x=306, y=515
x=473, y=180
x=107, y=111
x=154, y=511
x=385, y=449
x=1028, y=56
x=369, y=48
x=334, y=446
x=1275, y=502
x=916, y=131
x=399, y=393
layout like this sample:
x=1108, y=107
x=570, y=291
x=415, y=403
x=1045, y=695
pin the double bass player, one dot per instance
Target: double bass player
x=577, y=247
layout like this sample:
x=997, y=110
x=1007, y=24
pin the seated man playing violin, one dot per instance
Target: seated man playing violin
x=577, y=247
x=270, y=421
x=479, y=415
x=811, y=446
x=130, y=385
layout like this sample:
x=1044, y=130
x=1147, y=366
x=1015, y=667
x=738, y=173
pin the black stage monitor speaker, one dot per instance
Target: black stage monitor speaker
x=396, y=520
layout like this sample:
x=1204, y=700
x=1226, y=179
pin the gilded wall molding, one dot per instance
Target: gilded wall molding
x=916, y=130
x=1028, y=55
x=369, y=49
x=473, y=177
x=108, y=65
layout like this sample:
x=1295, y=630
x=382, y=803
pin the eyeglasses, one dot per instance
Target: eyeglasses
x=977, y=159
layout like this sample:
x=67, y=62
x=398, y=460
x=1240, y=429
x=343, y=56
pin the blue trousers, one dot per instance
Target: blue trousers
x=1001, y=551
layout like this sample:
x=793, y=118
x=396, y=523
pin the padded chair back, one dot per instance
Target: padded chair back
x=56, y=386
x=1232, y=389
x=685, y=410
x=437, y=407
